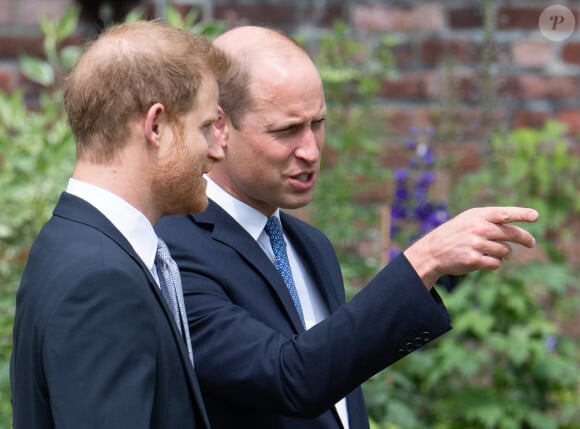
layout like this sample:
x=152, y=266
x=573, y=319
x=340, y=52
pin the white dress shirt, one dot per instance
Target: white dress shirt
x=133, y=224
x=253, y=221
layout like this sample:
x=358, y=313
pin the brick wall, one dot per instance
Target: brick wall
x=443, y=53
x=533, y=78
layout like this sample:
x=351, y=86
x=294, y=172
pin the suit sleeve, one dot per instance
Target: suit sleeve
x=99, y=354
x=246, y=354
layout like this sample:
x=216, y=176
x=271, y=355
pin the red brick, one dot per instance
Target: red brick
x=512, y=17
x=411, y=86
x=468, y=88
x=234, y=15
x=462, y=18
x=532, y=86
x=8, y=78
x=27, y=13
x=532, y=54
x=530, y=118
x=571, y=53
x=466, y=156
x=563, y=88
x=404, y=54
x=463, y=51
x=14, y=46
x=422, y=17
x=401, y=119
x=507, y=85
x=571, y=118
x=324, y=16
x=465, y=122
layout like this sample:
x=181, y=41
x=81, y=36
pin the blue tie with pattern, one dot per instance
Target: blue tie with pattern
x=172, y=292
x=274, y=231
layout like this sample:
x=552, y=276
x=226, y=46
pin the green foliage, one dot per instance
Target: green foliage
x=58, y=59
x=507, y=363
x=504, y=365
x=190, y=22
x=532, y=168
x=37, y=155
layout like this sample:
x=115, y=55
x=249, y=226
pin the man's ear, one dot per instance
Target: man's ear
x=221, y=128
x=154, y=122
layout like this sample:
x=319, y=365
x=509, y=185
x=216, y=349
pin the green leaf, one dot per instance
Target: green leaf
x=38, y=71
x=136, y=14
x=174, y=18
x=69, y=56
x=67, y=24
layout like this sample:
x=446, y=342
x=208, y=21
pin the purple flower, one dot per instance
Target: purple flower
x=398, y=211
x=401, y=174
x=551, y=343
x=420, y=194
x=426, y=179
x=411, y=144
x=414, y=130
x=401, y=194
x=429, y=157
x=411, y=195
x=423, y=210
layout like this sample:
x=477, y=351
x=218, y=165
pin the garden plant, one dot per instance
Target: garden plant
x=509, y=362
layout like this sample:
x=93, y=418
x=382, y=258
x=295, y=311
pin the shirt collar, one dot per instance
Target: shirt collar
x=248, y=217
x=133, y=224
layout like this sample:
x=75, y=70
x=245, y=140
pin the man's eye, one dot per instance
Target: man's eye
x=289, y=130
x=318, y=122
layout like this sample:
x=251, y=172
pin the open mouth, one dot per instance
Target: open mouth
x=304, y=177
x=303, y=181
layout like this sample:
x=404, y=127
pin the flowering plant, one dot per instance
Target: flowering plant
x=413, y=213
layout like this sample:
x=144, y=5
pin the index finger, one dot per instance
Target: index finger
x=510, y=214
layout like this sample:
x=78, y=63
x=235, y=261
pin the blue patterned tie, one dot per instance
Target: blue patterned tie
x=274, y=231
x=170, y=284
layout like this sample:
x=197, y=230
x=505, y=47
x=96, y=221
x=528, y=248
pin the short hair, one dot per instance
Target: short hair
x=235, y=97
x=124, y=72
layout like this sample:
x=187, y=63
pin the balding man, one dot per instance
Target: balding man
x=276, y=345
x=96, y=343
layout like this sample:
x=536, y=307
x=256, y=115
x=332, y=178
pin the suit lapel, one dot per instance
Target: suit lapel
x=316, y=261
x=227, y=231
x=78, y=210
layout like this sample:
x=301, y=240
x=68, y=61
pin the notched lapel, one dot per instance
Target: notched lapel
x=78, y=210
x=229, y=232
x=316, y=262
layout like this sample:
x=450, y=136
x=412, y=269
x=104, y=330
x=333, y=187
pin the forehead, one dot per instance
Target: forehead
x=287, y=91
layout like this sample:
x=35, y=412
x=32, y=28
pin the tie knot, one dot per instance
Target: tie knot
x=273, y=228
x=162, y=254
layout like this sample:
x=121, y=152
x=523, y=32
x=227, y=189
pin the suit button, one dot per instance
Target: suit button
x=419, y=342
x=426, y=337
x=409, y=347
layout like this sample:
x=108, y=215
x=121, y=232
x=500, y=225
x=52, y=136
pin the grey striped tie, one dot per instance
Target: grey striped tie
x=172, y=292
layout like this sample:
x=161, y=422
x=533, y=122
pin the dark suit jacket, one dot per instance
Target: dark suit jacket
x=257, y=368
x=94, y=344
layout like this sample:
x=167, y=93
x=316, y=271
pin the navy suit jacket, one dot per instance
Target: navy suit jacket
x=94, y=344
x=256, y=365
